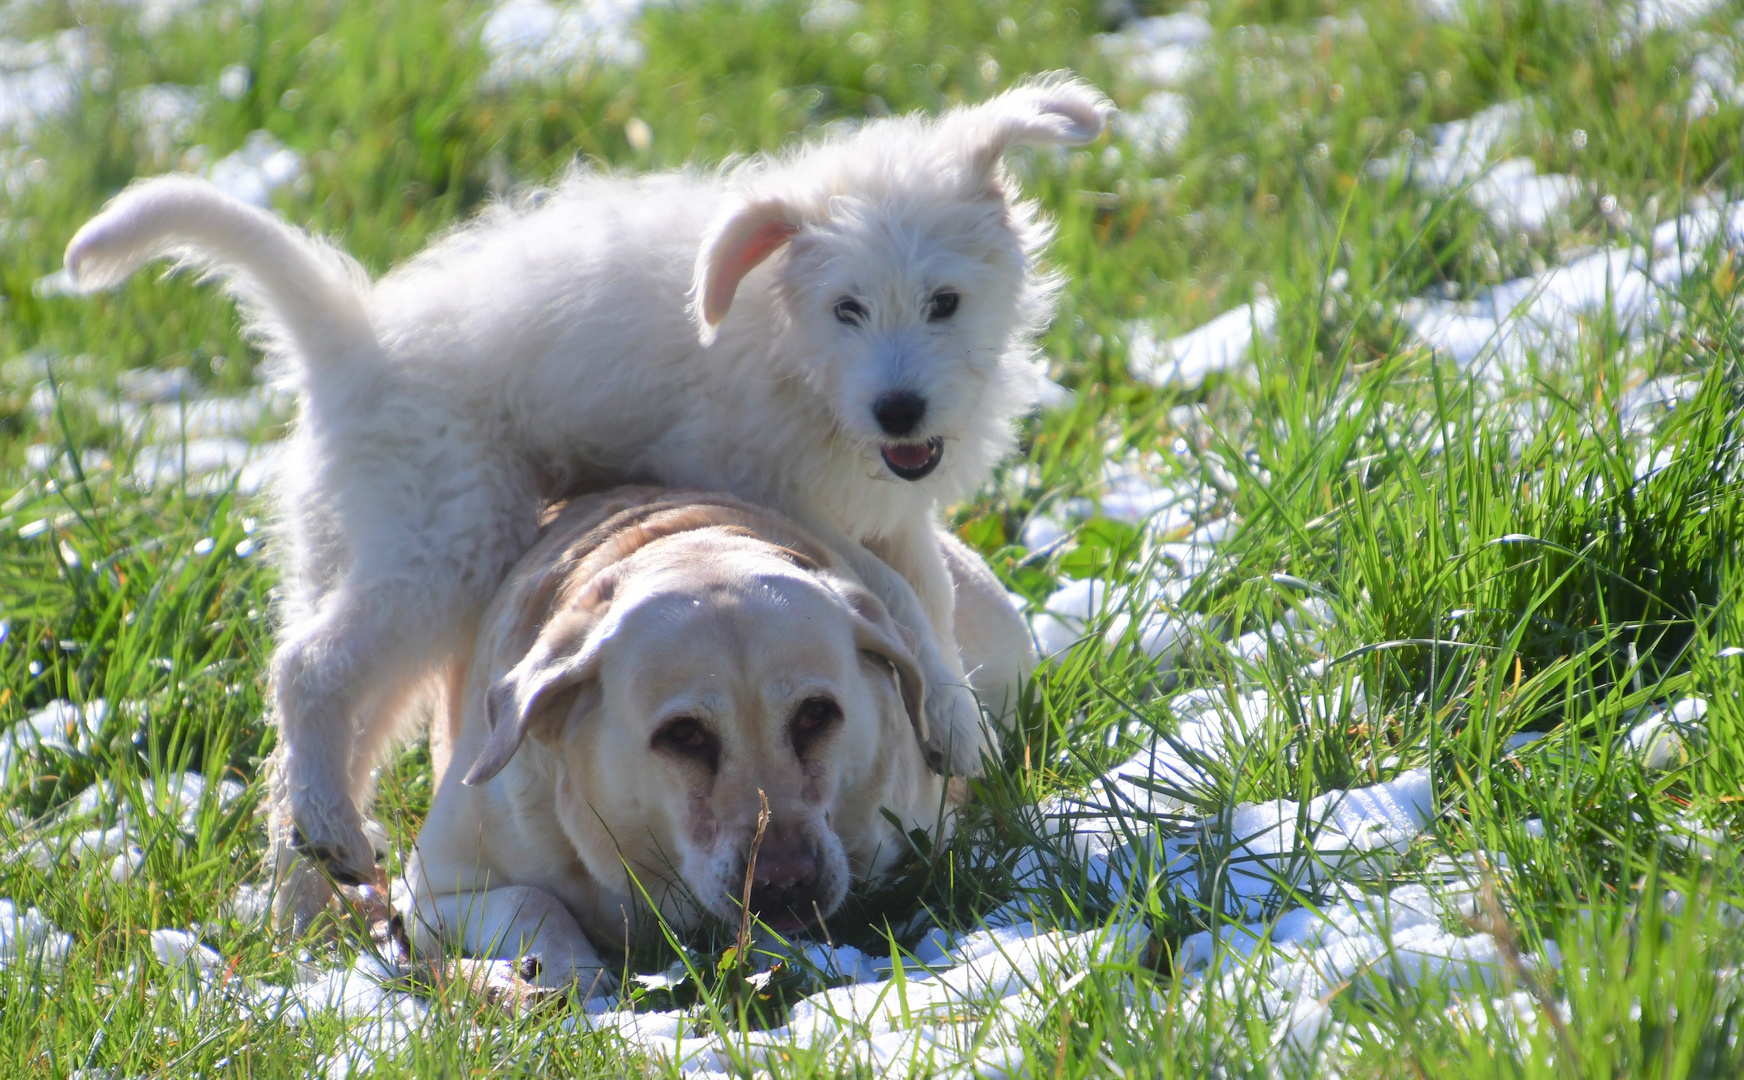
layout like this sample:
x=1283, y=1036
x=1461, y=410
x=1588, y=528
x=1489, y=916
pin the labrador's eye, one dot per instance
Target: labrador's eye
x=851, y=311
x=815, y=718
x=688, y=738
x=943, y=305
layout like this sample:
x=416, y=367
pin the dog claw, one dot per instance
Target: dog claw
x=329, y=860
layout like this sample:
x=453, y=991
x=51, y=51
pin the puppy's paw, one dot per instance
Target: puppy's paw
x=338, y=846
x=957, y=736
x=301, y=894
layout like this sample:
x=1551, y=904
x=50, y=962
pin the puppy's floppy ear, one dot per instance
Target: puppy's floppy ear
x=733, y=246
x=1056, y=109
x=877, y=634
x=539, y=691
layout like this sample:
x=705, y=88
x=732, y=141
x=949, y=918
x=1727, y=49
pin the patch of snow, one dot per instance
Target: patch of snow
x=824, y=16
x=155, y=16
x=1051, y=395
x=1502, y=329
x=248, y=905
x=1713, y=74
x=1043, y=531
x=1158, y=126
x=209, y=465
x=156, y=384
x=1447, y=11
x=1663, y=740
x=1222, y=344
x=262, y=166
x=1517, y=199
x=27, y=937
x=534, y=40
x=234, y=81
x=182, y=950
x=41, y=79
x=1510, y=193
x=20, y=170
x=207, y=417
x=936, y=1021
x=1649, y=15
x=1163, y=50
x=60, y=725
x=165, y=115
x=181, y=794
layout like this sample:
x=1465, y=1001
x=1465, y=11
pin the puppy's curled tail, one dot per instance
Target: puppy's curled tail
x=302, y=295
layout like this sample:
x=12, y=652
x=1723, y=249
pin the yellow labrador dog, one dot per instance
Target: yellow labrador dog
x=653, y=669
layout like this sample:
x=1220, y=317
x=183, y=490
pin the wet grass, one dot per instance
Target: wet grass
x=1484, y=580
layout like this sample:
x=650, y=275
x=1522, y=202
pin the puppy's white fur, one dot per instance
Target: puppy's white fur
x=639, y=613
x=685, y=328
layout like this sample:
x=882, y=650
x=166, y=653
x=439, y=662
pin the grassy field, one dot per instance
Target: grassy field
x=1536, y=554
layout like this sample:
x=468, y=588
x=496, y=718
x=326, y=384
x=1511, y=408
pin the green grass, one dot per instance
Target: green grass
x=1354, y=462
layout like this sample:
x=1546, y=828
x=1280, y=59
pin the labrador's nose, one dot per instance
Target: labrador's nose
x=899, y=412
x=785, y=885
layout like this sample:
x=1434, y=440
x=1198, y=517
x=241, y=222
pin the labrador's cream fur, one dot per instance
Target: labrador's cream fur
x=638, y=613
x=742, y=331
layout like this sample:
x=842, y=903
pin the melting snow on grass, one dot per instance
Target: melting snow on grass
x=1503, y=330
x=1220, y=345
x=533, y=40
x=178, y=432
x=1300, y=884
x=40, y=79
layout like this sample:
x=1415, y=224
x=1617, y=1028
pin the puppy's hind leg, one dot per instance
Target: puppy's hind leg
x=384, y=709
x=300, y=890
x=328, y=671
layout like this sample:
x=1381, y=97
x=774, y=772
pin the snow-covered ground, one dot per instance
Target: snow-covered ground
x=534, y=40
x=960, y=997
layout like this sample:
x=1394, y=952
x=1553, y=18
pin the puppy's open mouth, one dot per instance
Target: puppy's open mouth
x=912, y=461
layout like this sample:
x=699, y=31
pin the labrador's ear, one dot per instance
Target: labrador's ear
x=732, y=248
x=1056, y=109
x=538, y=693
x=879, y=636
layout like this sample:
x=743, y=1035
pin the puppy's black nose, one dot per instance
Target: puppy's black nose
x=899, y=413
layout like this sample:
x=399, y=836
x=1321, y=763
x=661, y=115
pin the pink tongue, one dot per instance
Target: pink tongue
x=908, y=455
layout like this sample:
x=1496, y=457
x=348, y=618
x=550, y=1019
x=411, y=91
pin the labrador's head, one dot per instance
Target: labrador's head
x=684, y=686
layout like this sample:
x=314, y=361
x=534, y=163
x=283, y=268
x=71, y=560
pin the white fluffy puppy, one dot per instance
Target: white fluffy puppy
x=677, y=658
x=883, y=292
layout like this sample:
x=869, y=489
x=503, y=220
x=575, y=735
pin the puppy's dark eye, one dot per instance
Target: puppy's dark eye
x=850, y=311
x=688, y=738
x=943, y=305
x=815, y=718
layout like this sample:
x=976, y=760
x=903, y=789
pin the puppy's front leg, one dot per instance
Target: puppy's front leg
x=992, y=637
x=513, y=922
x=957, y=731
x=907, y=572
